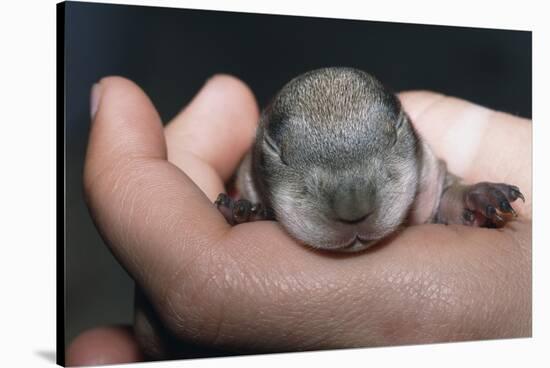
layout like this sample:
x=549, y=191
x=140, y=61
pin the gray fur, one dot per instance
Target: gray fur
x=337, y=160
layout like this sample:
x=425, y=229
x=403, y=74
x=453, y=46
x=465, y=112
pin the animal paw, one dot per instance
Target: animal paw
x=488, y=204
x=242, y=210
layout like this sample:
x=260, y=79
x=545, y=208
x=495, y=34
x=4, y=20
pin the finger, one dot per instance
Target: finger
x=210, y=136
x=104, y=345
x=476, y=142
x=149, y=212
x=267, y=279
x=157, y=342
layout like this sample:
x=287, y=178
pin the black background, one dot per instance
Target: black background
x=171, y=52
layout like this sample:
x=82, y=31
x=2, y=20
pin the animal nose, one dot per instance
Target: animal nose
x=352, y=205
x=354, y=220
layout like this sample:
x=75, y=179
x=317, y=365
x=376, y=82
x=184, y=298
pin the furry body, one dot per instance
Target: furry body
x=337, y=162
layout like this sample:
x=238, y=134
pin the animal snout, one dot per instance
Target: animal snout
x=352, y=205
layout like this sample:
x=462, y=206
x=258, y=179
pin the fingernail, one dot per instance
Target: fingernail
x=95, y=96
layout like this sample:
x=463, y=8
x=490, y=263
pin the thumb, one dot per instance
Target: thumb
x=149, y=212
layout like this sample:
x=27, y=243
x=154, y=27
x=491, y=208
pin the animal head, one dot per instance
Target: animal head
x=336, y=159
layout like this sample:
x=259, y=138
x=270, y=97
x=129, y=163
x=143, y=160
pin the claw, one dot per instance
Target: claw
x=505, y=207
x=468, y=216
x=222, y=200
x=490, y=211
x=515, y=194
x=241, y=211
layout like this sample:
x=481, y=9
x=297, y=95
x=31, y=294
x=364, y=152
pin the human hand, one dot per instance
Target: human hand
x=251, y=288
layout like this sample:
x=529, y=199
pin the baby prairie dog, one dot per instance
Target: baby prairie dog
x=338, y=164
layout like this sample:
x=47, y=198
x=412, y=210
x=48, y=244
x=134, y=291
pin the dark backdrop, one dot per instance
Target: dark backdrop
x=171, y=52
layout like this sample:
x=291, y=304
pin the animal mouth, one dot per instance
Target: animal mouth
x=357, y=239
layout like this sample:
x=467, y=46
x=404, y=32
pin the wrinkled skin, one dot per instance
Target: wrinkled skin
x=206, y=287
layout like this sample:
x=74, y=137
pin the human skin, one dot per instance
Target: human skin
x=251, y=288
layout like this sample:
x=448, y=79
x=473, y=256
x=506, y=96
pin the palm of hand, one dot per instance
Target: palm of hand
x=251, y=287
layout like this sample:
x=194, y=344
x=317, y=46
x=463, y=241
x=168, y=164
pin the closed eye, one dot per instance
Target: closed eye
x=400, y=120
x=271, y=146
x=397, y=127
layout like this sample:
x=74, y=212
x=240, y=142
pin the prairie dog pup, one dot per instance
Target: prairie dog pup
x=338, y=164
